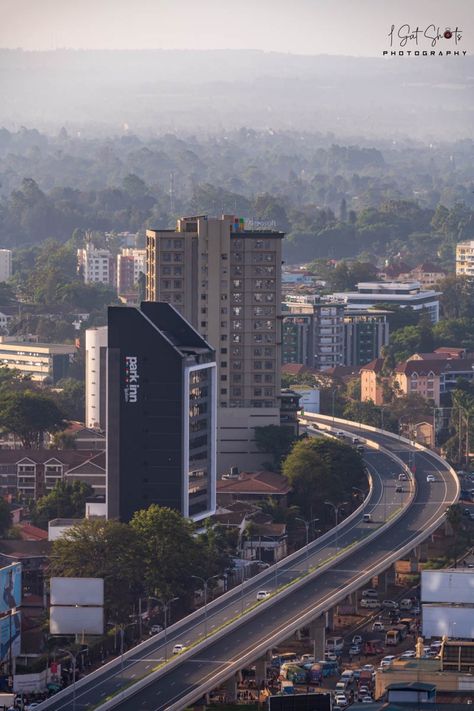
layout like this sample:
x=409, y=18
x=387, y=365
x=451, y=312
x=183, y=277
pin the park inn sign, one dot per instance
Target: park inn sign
x=131, y=379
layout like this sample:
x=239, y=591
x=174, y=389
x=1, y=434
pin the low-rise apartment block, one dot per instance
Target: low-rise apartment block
x=465, y=258
x=28, y=474
x=43, y=362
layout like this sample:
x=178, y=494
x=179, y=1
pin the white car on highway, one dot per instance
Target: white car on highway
x=263, y=594
x=178, y=648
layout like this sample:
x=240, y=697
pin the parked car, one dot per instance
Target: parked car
x=357, y=639
x=399, y=489
x=369, y=604
x=354, y=650
x=403, y=476
x=390, y=604
x=263, y=594
x=378, y=626
x=340, y=701
x=409, y=654
x=178, y=648
x=370, y=592
x=387, y=661
x=367, y=700
x=155, y=629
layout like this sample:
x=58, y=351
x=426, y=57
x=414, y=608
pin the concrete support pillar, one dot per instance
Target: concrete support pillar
x=414, y=560
x=330, y=619
x=231, y=688
x=386, y=578
x=261, y=670
x=317, y=634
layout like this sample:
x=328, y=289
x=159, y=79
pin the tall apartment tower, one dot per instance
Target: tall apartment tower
x=226, y=281
x=5, y=264
x=161, y=413
x=96, y=377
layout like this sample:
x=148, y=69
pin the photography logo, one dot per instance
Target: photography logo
x=429, y=41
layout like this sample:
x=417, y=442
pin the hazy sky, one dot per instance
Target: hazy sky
x=355, y=27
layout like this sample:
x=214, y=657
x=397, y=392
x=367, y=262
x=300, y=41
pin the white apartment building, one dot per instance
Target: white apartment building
x=97, y=265
x=465, y=258
x=5, y=264
x=95, y=377
x=401, y=294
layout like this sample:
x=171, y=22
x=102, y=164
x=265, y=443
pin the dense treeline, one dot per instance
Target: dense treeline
x=333, y=201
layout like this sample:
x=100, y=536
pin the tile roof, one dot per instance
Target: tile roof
x=375, y=365
x=262, y=482
x=28, y=532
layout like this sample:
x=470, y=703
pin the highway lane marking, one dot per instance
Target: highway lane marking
x=327, y=544
x=359, y=573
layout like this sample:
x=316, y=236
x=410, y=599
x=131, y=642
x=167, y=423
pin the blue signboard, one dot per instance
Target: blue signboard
x=10, y=628
x=10, y=587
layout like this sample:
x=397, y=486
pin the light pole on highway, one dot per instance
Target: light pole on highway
x=74, y=663
x=307, y=524
x=165, y=604
x=336, y=508
x=205, y=582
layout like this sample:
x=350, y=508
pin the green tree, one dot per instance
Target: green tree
x=64, y=501
x=366, y=412
x=169, y=552
x=71, y=397
x=103, y=549
x=30, y=415
x=320, y=470
x=275, y=440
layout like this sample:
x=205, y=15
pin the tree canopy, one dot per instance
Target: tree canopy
x=29, y=415
x=320, y=470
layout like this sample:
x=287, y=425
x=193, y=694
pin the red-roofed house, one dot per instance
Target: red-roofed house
x=253, y=486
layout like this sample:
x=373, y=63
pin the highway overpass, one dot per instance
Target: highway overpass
x=242, y=631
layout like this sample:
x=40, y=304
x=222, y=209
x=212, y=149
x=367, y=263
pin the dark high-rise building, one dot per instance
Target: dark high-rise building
x=161, y=413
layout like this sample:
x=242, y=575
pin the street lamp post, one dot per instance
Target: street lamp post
x=74, y=663
x=165, y=604
x=306, y=525
x=336, y=508
x=205, y=582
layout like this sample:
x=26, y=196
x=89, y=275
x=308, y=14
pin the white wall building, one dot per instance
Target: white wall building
x=5, y=264
x=401, y=294
x=96, y=365
x=96, y=264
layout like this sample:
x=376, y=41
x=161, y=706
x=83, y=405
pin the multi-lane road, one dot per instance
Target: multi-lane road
x=247, y=637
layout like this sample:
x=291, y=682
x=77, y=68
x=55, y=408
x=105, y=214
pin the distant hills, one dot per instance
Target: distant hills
x=162, y=90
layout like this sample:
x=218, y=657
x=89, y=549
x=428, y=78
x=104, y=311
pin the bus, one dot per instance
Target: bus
x=392, y=638
x=395, y=635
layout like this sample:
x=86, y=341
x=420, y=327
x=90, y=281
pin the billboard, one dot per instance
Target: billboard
x=10, y=634
x=440, y=620
x=77, y=591
x=10, y=587
x=454, y=585
x=76, y=620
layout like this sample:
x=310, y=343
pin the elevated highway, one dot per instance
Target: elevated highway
x=305, y=586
